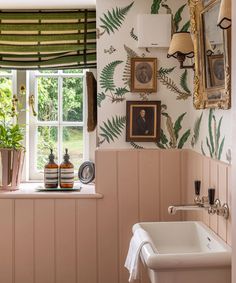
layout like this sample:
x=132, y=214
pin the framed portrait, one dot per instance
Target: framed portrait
x=143, y=121
x=143, y=74
x=216, y=70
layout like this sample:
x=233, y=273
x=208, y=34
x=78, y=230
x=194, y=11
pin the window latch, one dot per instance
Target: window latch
x=32, y=104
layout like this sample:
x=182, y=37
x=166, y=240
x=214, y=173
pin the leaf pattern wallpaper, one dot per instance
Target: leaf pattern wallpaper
x=181, y=125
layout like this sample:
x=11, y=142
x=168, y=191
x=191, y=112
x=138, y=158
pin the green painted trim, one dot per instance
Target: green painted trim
x=37, y=15
x=46, y=27
x=46, y=48
x=41, y=38
x=57, y=61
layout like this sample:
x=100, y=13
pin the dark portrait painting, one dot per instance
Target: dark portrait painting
x=143, y=121
x=217, y=70
x=144, y=75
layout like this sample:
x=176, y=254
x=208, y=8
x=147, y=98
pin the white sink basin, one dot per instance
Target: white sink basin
x=185, y=252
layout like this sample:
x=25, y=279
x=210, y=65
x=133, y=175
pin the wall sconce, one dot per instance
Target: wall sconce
x=181, y=46
x=224, y=19
x=208, y=47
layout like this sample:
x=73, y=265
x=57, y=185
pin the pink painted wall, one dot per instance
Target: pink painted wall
x=139, y=185
x=86, y=240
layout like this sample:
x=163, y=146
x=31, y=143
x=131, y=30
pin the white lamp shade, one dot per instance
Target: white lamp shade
x=224, y=19
x=181, y=43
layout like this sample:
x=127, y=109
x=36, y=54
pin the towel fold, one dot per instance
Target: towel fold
x=139, y=239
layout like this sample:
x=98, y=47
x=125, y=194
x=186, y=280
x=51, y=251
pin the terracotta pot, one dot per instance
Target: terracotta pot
x=11, y=165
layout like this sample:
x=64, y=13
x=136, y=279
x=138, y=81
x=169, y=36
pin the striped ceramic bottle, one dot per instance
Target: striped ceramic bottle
x=51, y=172
x=66, y=172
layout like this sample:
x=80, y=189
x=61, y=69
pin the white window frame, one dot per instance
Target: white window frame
x=32, y=77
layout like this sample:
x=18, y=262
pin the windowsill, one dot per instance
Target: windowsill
x=28, y=191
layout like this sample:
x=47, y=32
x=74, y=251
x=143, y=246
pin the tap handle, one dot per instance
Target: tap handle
x=211, y=196
x=197, y=185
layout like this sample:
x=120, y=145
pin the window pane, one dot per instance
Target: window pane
x=47, y=138
x=47, y=99
x=73, y=140
x=5, y=72
x=6, y=98
x=73, y=71
x=73, y=99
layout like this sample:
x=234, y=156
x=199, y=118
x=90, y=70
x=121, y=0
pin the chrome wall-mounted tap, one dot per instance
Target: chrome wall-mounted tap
x=203, y=203
x=215, y=205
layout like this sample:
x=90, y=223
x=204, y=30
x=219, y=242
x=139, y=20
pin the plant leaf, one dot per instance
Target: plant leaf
x=165, y=71
x=209, y=147
x=100, y=97
x=133, y=35
x=136, y=146
x=183, y=82
x=120, y=91
x=113, y=19
x=155, y=6
x=203, y=152
x=178, y=126
x=210, y=132
x=196, y=130
x=184, y=139
x=107, y=76
x=218, y=133
x=112, y=129
x=178, y=17
x=221, y=149
x=186, y=26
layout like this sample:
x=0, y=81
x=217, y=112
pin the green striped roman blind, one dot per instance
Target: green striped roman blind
x=47, y=39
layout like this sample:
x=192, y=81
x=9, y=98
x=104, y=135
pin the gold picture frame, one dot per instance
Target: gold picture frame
x=143, y=75
x=216, y=96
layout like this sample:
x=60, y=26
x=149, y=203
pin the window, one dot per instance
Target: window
x=59, y=124
x=7, y=84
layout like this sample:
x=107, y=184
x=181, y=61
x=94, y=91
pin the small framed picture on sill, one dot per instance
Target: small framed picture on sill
x=143, y=123
x=143, y=75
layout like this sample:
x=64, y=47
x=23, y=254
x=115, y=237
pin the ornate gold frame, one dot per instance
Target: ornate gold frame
x=200, y=95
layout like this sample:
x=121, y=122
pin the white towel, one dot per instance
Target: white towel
x=139, y=239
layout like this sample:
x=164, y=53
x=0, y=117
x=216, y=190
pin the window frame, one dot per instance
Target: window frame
x=32, y=78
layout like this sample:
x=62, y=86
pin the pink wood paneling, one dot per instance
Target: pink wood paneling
x=194, y=172
x=214, y=184
x=24, y=241
x=170, y=173
x=65, y=243
x=223, y=182
x=205, y=185
x=86, y=241
x=107, y=217
x=149, y=185
x=229, y=201
x=44, y=241
x=128, y=202
x=6, y=240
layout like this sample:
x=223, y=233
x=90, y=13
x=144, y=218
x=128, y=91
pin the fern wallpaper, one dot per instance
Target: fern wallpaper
x=208, y=132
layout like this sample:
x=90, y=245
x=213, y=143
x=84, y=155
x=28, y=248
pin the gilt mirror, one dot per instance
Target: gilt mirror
x=212, y=50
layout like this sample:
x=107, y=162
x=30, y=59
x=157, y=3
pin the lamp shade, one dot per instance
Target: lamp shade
x=181, y=43
x=224, y=19
x=208, y=47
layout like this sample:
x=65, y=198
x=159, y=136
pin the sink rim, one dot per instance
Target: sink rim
x=186, y=260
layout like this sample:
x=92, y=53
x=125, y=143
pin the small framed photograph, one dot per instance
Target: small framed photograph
x=143, y=74
x=86, y=172
x=143, y=121
x=217, y=70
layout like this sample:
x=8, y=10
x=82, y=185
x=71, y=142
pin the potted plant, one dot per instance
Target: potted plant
x=12, y=150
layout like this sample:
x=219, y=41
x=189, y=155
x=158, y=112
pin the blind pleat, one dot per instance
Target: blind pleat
x=47, y=39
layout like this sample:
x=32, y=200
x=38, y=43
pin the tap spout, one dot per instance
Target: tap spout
x=188, y=207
